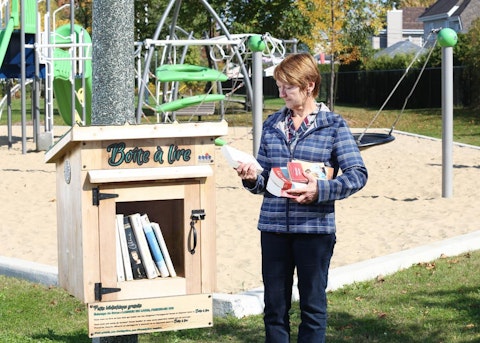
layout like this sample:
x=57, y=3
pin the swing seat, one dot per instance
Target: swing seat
x=368, y=139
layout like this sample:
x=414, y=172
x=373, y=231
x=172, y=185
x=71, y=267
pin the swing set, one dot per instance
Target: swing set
x=367, y=139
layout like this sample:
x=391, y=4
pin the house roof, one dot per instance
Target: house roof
x=462, y=7
x=403, y=47
x=466, y=11
x=440, y=7
x=445, y=6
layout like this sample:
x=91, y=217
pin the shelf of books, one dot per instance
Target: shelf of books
x=136, y=222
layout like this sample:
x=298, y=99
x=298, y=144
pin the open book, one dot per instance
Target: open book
x=293, y=176
x=234, y=157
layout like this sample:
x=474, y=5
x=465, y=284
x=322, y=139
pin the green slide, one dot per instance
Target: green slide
x=5, y=36
x=62, y=86
x=6, y=33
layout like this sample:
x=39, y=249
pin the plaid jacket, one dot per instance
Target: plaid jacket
x=328, y=140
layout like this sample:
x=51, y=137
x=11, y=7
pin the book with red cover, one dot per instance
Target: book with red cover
x=296, y=173
x=293, y=176
x=279, y=181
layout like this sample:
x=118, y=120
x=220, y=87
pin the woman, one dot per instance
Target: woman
x=299, y=232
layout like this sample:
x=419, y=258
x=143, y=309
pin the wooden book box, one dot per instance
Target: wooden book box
x=165, y=171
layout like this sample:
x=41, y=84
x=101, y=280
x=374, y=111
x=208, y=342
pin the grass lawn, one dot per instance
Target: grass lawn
x=431, y=302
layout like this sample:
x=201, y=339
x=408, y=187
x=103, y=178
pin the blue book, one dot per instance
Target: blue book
x=154, y=246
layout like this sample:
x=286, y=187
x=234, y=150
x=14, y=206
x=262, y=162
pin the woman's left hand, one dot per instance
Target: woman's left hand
x=308, y=194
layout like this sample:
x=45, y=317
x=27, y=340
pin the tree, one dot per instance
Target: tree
x=416, y=3
x=341, y=28
x=83, y=13
x=407, y=3
x=281, y=18
x=470, y=57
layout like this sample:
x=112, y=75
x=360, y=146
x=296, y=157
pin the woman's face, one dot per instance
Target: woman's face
x=292, y=95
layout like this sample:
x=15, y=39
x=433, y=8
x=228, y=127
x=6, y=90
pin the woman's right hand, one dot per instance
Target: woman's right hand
x=247, y=172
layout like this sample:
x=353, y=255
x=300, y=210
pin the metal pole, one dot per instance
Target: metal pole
x=113, y=98
x=447, y=121
x=257, y=101
x=36, y=85
x=22, y=81
x=113, y=77
x=48, y=99
x=73, y=55
x=9, y=112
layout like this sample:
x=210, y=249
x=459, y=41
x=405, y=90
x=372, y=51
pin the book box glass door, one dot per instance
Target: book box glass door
x=169, y=207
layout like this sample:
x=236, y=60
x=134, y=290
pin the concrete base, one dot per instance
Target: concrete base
x=44, y=141
x=30, y=271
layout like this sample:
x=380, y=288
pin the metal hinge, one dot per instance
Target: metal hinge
x=97, y=196
x=100, y=291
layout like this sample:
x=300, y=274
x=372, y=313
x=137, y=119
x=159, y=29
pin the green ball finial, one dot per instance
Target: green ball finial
x=447, y=37
x=256, y=43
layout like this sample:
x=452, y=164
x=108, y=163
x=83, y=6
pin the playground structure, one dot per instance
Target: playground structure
x=220, y=51
x=30, y=52
x=61, y=58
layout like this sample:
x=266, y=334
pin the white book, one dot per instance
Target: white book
x=279, y=182
x=234, y=157
x=163, y=247
x=143, y=246
x=127, y=265
x=154, y=246
x=119, y=257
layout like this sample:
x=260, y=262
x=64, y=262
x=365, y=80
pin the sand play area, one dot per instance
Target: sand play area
x=400, y=208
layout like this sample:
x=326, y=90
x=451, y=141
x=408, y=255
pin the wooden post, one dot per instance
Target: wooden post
x=113, y=77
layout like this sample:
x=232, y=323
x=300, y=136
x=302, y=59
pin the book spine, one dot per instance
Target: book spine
x=143, y=246
x=119, y=257
x=163, y=247
x=138, y=269
x=127, y=266
x=154, y=246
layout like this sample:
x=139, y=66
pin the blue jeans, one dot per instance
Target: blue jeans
x=310, y=254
